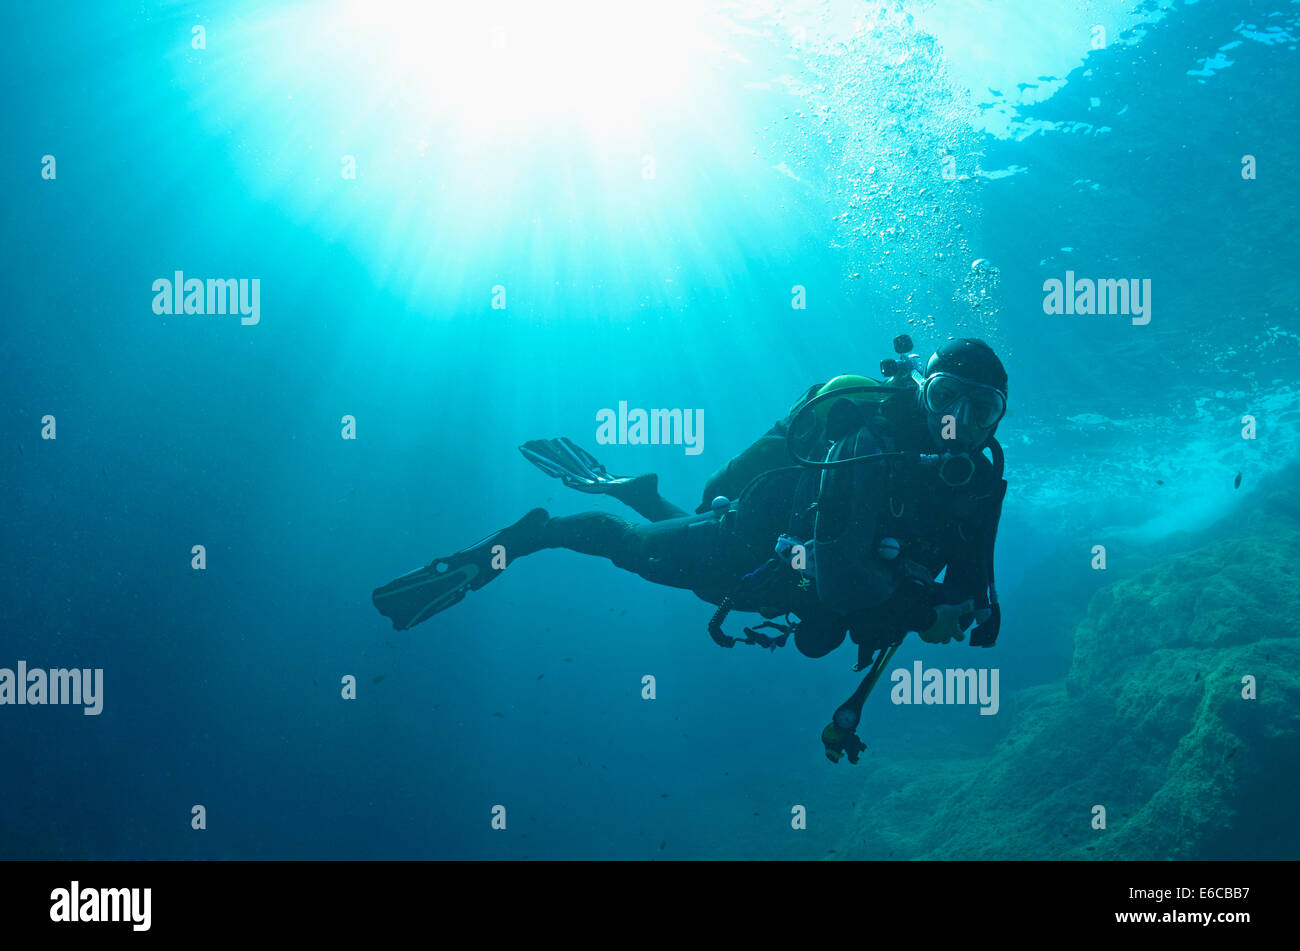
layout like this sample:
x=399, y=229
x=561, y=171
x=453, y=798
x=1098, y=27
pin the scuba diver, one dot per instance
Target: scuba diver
x=838, y=520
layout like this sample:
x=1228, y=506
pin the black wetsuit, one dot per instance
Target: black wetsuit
x=711, y=552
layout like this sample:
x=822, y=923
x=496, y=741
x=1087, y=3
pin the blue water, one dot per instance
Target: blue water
x=648, y=187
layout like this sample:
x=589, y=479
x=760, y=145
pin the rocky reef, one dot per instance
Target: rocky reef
x=1150, y=722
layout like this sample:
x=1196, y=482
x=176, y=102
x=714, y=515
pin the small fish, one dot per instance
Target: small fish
x=1233, y=752
x=540, y=676
x=830, y=851
x=380, y=677
x=501, y=715
x=1160, y=481
x=662, y=844
x=390, y=643
x=663, y=795
x=314, y=684
x=1198, y=675
x=20, y=450
x=568, y=660
x=1236, y=483
x=1090, y=848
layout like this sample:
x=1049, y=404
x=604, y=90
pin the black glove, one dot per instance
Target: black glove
x=839, y=742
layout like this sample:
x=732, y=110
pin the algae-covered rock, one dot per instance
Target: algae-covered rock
x=1180, y=716
x=1229, y=593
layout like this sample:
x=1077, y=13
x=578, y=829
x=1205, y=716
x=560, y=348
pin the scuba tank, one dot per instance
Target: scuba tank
x=904, y=376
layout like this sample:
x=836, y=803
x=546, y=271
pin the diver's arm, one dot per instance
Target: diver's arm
x=924, y=608
x=910, y=605
x=958, y=601
x=965, y=581
x=763, y=455
x=767, y=453
x=950, y=623
x=967, y=578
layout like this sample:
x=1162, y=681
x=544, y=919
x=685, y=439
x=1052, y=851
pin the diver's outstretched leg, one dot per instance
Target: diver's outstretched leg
x=692, y=551
x=688, y=552
x=420, y=594
x=578, y=469
x=641, y=495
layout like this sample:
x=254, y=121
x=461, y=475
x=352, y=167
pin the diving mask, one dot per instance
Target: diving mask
x=943, y=392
